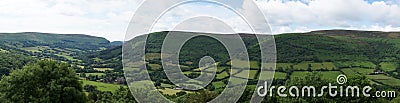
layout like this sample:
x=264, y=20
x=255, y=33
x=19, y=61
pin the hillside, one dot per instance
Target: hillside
x=10, y=61
x=323, y=55
x=326, y=47
x=64, y=47
x=116, y=43
x=73, y=41
x=318, y=46
x=373, y=56
x=358, y=34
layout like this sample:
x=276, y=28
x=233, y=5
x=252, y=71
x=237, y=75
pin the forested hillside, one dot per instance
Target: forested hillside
x=70, y=48
x=72, y=41
x=307, y=57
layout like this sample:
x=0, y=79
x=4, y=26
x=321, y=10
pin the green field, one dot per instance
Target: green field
x=187, y=72
x=363, y=70
x=353, y=71
x=314, y=66
x=102, y=69
x=3, y=51
x=243, y=64
x=36, y=48
x=153, y=56
x=349, y=72
x=388, y=66
x=266, y=75
x=298, y=74
x=279, y=75
x=63, y=52
x=385, y=80
x=167, y=85
x=218, y=84
x=94, y=74
x=155, y=67
x=284, y=65
x=66, y=57
x=221, y=75
x=102, y=86
x=194, y=81
x=304, y=66
x=220, y=69
x=254, y=65
x=349, y=64
x=243, y=74
x=170, y=91
x=328, y=75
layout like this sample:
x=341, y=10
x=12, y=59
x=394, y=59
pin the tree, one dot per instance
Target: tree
x=124, y=95
x=201, y=96
x=44, y=81
x=315, y=79
x=309, y=68
x=11, y=61
x=157, y=83
x=180, y=93
x=83, y=75
x=89, y=88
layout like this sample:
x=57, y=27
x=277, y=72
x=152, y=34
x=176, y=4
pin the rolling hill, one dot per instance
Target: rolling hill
x=73, y=41
x=65, y=47
x=372, y=54
x=328, y=45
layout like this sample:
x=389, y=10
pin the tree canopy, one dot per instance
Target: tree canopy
x=43, y=81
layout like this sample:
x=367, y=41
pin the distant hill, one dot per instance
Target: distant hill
x=64, y=47
x=108, y=53
x=116, y=43
x=318, y=46
x=10, y=61
x=358, y=34
x=73, y=41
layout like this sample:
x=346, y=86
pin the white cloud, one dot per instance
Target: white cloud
x=105, y=18
x=110, y=18
x=289, y=16
x=185, y=16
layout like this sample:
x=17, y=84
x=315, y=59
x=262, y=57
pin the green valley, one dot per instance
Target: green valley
x=320, y=55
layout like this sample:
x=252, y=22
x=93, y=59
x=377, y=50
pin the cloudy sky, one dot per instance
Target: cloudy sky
x=110, y=18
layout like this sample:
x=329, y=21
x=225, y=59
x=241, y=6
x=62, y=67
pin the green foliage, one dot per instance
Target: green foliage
x=386, y=80
x=388, y=66
x=316, y=79
x=108, y=53
x=317, y=47
x=44, y=81
x=222, y=75
x=279, y=75
x=354, y=53
x=10, y=61
x=70, y=48
x=202, y=96
x=121, y=95
x=350, y=64
x=74, y=41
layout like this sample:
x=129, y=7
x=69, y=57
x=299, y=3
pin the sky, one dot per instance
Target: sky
x=110, y=18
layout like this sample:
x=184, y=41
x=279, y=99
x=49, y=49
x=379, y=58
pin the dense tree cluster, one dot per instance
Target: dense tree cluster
x=44, y=81
x=11, y=61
